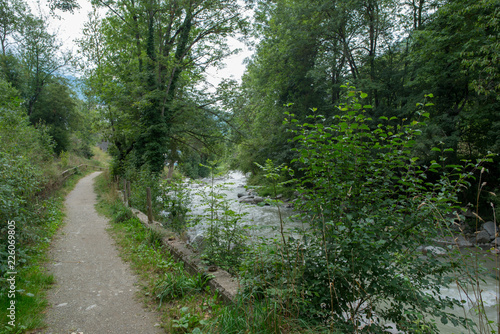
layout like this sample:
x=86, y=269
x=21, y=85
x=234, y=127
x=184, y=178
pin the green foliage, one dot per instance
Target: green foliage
x=30, y=59
x=224, y=242
x=18, y=137
x=193, y=167
x=177, y=284
x=139, y=181
x=148, y=78
x=23, y=151
x=274, y=181
x=154, y=238
x=121, y=213
x=393, y=51
x=369, y=205
x=55, y=107
x=175, y=201
x=188, y=322
x=250, y=315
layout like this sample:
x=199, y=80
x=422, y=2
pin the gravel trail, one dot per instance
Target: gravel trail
x=94, y=292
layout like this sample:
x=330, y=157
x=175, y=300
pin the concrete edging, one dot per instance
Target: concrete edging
x=222, y=282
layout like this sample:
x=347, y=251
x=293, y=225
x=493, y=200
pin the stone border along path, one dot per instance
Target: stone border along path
x=220, y=280
x=94, y=292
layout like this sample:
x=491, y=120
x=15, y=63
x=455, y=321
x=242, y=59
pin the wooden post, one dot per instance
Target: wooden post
x=125, y=199
x=150, y=208
x=128, y=192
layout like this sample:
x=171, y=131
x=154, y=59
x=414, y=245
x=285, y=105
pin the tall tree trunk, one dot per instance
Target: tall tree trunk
x=152, y=144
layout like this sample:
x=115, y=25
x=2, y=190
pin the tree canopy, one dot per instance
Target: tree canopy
x=394, y=51
x=146, y=60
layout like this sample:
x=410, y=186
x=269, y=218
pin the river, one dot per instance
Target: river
x=265, y=223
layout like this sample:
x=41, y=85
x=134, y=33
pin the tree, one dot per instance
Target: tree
x=10, y=21
x=307, y=51
x=39, y=52
x=481, y=53
x=55, y=108
x=11, y=12
x=448, y=60
x=171, y=43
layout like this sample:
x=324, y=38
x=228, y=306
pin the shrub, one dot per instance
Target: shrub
x=23, y=152
x=369, y=206
x=175, y=200
x=139, y=181
x=225, y=236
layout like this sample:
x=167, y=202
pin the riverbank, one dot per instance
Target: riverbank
x=457, y=291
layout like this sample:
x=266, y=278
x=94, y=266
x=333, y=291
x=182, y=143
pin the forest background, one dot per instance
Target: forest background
x=145, y=91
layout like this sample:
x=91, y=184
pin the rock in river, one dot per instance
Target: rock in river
x=483, y=237
x=491, y=228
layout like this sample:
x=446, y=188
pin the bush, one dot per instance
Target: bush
x=23, y=152
x=192, y=166
x=369, y=206
x=175, y=200
x=139, y=181
x=225, y=236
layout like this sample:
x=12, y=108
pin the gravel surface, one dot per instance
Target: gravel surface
x=95, y=291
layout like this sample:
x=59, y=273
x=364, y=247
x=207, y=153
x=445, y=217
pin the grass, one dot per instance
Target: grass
x=100, y=157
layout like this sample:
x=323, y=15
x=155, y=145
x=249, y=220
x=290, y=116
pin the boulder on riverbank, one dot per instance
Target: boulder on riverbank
x=251, y=197
x=491, y=228
x=483, y=237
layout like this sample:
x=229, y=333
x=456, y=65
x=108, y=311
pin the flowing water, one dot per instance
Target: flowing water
x=485, y=291
x=265, y=222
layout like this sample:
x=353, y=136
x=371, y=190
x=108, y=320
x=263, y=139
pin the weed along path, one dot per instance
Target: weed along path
x=94, y=292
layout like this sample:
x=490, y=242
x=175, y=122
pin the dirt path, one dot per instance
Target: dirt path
x=94, y=292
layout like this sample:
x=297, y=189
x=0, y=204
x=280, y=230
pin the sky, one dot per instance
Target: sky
x=70, y=27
